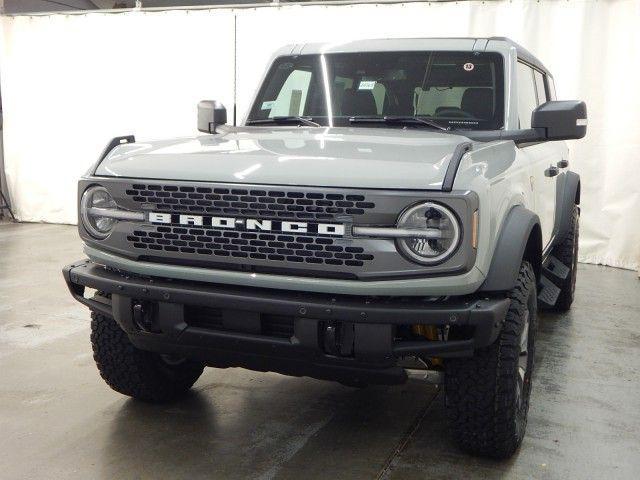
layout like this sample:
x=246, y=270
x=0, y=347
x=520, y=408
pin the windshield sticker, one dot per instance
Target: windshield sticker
x=468, y=67
x=268, y=105
x=367, y=85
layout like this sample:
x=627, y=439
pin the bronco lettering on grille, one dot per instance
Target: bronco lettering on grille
x=334, y=229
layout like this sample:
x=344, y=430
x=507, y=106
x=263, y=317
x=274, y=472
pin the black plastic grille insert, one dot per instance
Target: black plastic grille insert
x=265, y=203
x=220, y=243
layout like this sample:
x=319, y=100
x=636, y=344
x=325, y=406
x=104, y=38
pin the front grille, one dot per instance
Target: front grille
x=265, y=203
x=219, y=243
x=244, y=249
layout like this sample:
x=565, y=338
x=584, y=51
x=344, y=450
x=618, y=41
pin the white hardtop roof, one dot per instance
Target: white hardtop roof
x=491, y=44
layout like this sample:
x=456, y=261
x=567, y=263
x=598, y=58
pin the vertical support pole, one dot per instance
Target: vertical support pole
x=235, y=66
x=4, y=202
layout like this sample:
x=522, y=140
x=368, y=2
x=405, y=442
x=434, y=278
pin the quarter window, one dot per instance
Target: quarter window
x=527, y=99
x=542, y=93
x=552, y=88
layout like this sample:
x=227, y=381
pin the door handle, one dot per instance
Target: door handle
x=563, y=163
x=551, y=171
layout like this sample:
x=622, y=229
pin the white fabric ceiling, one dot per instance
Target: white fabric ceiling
x=72, y=82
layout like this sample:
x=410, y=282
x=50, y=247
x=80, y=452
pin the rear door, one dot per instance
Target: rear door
x=544, y=157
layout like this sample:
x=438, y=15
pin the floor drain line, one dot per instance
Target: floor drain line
x=408, y=435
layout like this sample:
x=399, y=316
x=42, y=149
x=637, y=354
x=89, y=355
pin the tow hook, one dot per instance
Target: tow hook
x=337, y=338
x=143, y=316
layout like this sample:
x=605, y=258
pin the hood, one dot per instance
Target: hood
x=331, y=157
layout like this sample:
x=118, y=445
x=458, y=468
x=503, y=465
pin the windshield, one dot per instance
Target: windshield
x=457, y=90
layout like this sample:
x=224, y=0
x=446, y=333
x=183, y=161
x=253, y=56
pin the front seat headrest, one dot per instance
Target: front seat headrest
x=478, y=101
x=359, y=102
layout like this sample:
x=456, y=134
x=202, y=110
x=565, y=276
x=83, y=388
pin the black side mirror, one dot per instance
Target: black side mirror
x=561, y=120
x=211, y=113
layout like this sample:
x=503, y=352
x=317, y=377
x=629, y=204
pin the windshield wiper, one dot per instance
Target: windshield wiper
x=285, y=119
x=400, y=120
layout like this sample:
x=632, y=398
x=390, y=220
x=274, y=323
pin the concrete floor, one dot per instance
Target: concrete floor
x=59, y=420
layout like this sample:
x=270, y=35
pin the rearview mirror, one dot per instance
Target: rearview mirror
x=561, y=120
x=211, y=113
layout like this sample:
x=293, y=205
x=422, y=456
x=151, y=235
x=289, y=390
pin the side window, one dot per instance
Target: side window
x=552, y=88
x=542, y=94
x=527, y=100
x=292, y=96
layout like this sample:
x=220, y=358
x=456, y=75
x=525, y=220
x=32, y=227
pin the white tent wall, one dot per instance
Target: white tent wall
x=70, y=83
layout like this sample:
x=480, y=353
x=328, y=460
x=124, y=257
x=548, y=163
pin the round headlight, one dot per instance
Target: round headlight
x=94, y=199
x=444, y=231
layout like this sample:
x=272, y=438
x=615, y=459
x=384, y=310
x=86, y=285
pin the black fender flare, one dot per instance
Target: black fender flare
x=567, y=198
x=511, y=248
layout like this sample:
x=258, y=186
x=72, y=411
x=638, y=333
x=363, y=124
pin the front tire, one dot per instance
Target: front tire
x=139, y=374
x=487, y=395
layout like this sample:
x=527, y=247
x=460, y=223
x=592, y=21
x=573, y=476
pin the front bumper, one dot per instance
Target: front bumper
x=456, y=285
x=340, y=337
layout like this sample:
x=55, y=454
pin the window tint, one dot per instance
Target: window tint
x=527, y=100
x=455, y=89
x=435, y=100
x=379, y=95
x=340, y=86
x=542, y=94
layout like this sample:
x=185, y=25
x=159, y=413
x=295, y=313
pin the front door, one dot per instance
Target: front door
x=543, y=158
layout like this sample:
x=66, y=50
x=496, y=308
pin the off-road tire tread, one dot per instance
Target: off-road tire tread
x=480, y=394
x=134, y=372
x=563, y=251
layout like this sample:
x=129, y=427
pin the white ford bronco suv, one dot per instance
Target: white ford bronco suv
x=386, y=207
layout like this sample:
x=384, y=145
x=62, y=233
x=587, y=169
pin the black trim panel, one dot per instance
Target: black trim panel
x=565, y=203
x=113, y=143
x=510, y=249
x=454, y=163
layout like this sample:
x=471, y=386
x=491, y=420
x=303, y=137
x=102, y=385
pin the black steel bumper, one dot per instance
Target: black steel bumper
x=338, y=337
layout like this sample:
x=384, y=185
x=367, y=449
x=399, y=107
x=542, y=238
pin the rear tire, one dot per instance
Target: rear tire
x=487, y=395
x=567, y=252
x=139, y=374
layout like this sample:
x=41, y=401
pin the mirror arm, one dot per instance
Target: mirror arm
x=529, y=135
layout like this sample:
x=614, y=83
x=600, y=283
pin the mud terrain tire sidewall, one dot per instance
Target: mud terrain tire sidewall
x=134, y=372
x=486, y=411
